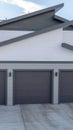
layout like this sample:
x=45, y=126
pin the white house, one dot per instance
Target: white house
x=36, y=58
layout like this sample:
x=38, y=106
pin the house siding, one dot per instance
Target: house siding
x=7, y=35
x=43, y=47
x=68, y=37
x=37, y=48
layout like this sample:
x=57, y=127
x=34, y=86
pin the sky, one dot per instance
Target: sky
x=15, y=8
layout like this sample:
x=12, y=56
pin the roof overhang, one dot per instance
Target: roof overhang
x=53, y=8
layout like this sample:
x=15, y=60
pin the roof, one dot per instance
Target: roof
x=33, y=21
x=61, y=18
x=55, y=8
x=61, y=23
x=70, y=27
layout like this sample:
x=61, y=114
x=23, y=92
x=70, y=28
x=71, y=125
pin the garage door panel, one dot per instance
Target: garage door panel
x=67, y=91
x=2, y=87
x=31, y=100
x=66, y=100
x=32, y=87
x=66, y=86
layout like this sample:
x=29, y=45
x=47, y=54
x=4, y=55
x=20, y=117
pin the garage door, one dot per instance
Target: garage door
x=66, y=86
x=2, y=87
x=32, y=87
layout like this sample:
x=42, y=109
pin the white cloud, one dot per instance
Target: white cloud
x=27, y=6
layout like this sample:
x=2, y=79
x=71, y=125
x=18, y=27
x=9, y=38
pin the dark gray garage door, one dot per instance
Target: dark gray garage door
x=66, y=86
x=2, y=87
x=32, y=87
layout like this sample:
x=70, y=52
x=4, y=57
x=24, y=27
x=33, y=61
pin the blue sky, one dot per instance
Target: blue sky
x=13, y=8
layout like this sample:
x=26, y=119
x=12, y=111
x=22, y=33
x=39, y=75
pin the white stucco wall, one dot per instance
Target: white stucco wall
x=68, y=37
x=43, y=47
x=5, y=35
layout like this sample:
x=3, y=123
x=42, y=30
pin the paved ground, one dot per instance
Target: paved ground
x=10, y=118
x=37, y=117
x=48, y=117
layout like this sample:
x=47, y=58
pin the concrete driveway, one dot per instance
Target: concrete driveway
x=10, y=118
x=37, y=117
x=48, y=117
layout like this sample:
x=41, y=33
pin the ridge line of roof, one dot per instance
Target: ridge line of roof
x=56, y=8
